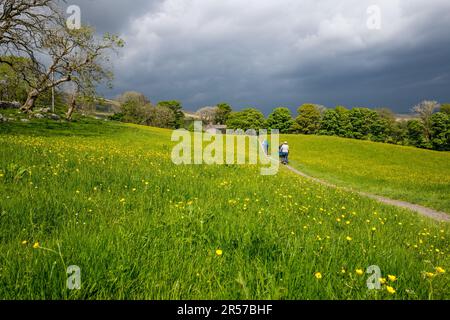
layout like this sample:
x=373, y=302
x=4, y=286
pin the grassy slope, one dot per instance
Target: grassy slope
x=140, y=227
x=403, y=173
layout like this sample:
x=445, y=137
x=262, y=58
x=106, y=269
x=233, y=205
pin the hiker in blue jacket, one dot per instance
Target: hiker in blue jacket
x=265, y=146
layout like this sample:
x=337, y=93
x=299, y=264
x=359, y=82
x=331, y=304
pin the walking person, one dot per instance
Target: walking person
x=265, y=145
x=284, y=153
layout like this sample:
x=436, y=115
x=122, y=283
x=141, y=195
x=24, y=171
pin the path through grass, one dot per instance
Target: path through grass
x=107, y=198
x=402, y=173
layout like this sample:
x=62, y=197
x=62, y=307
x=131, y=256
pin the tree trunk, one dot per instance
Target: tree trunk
x=31, y=99
x=72, y=107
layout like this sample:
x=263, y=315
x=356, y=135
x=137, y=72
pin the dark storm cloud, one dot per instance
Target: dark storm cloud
x=110, y=15
x=270, y=53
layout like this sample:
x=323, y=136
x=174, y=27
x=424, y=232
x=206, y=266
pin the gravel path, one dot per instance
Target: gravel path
x=430, y=213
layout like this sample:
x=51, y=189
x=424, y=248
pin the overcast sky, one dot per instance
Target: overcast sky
x=269, y=53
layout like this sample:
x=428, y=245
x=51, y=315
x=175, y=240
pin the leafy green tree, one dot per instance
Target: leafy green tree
x=159, y=116
x=136, y=108
x=137, y=97
x=379, y=131
x=399, y=133
x=384, y=126
x=345, y=126
x=177, y=109
x=359, y=123
x=440, y=131
x=329, y=124
x=223, y=113
x=133, y=105
x=308, y=120
x=425, y=110
x=133, y=112
x=280, y=119
x=12, y=85
x=246, y=119
x=445, y=108
x=363, y=122
x=416, y=134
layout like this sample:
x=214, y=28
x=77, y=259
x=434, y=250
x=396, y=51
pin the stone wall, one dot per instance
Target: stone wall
x=9, y=105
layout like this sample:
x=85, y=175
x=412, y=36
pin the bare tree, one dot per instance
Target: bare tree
x=91, y=67
x=425, y=110
x=75, y=55
x=135, y=96
x=208, y=114
x=37, y=29
x=20, y=23
x=159, y=116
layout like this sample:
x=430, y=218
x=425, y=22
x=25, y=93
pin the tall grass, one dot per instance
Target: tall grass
x=107, y=198
x=403, y=173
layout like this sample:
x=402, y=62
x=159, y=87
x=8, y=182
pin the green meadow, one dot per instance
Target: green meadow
x=106, y=197
x=402, y=173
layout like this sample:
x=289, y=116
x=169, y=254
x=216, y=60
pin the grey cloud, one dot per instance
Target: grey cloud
x=265, y=53
x=112, y=15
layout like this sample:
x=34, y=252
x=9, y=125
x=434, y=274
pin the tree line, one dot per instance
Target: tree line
x=429, y=129
x=137, y=108
x=40, y=53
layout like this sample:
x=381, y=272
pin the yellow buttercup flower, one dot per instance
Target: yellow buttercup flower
x=219, y=252
x=383, y=280
x=25, y=242
x=391, y=290
x=36, y=245
x=392, y=278
x=318, y=275
x=440, y=270
x=349, y=238
x=359, y=272
x=429, y=274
